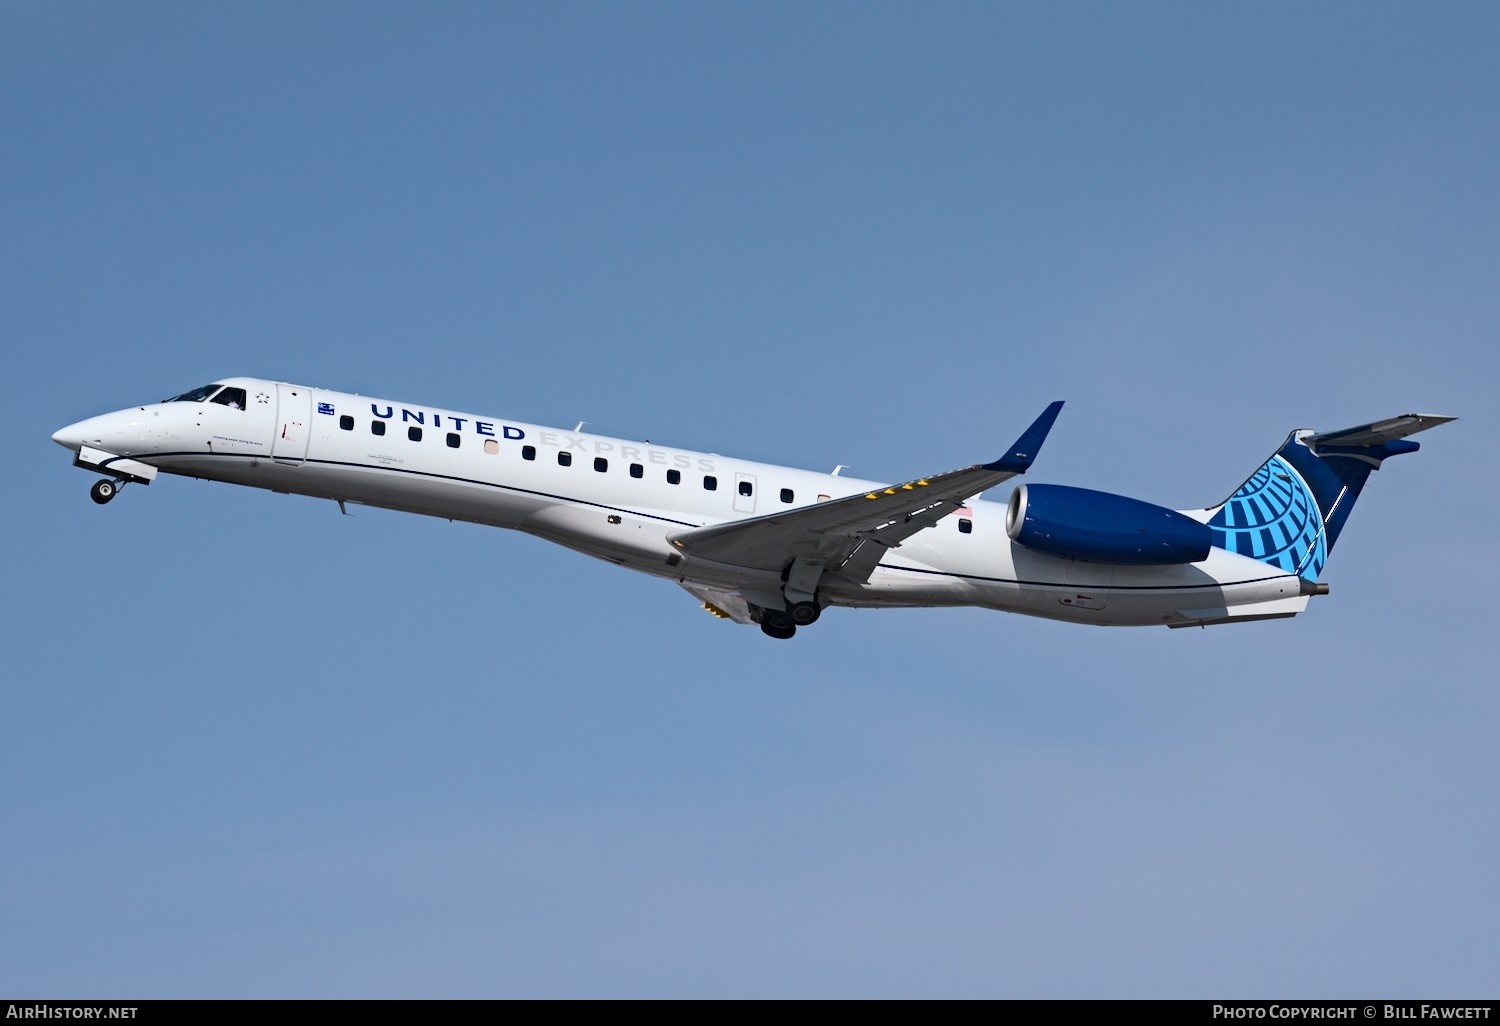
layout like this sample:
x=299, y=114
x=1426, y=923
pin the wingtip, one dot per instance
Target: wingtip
x=1019, y=459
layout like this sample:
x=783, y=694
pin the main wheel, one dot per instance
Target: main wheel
x=804, y=613
x=102, y=491
x=777, y=618
x=777, y=631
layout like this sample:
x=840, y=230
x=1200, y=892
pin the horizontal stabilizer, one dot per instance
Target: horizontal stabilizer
x=1381, y=431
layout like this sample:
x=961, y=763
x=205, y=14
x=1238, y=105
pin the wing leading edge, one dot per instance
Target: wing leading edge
x=850, y=535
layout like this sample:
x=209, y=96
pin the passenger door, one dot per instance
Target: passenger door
x=293, y=424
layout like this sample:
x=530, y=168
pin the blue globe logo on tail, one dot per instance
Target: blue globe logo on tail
x=1275, y=519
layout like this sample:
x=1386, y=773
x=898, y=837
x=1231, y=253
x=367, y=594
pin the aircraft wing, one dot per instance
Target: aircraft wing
x=724, y=603
x=853, y=533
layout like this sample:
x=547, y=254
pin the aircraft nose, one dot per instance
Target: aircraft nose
x=93, y=431
x=70, y=437
x=121, y=433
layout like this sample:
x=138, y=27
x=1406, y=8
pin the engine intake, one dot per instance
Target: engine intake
x=1085, y=524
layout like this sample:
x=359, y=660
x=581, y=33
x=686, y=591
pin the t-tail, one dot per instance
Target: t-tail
x=1290, y=512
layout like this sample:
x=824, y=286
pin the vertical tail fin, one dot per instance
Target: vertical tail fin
x=1291, y=510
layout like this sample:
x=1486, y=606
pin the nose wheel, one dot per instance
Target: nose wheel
x=103, y=491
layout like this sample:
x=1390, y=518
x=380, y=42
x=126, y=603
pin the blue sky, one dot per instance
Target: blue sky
x=256, y=749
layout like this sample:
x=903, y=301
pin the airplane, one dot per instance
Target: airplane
x=774, y=546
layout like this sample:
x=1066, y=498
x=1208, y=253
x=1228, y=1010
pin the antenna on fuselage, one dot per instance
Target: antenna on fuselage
x=837, y=469
x=581, y=423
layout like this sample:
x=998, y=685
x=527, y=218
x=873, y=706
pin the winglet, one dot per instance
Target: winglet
x=1018, y=459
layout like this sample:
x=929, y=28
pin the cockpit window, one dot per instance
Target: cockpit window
x=197, y=395
x=234, y=398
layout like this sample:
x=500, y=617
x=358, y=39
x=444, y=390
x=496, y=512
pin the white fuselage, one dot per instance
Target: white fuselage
x=622, y=500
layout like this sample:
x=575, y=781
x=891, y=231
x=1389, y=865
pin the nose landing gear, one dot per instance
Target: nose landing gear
x=105, y=490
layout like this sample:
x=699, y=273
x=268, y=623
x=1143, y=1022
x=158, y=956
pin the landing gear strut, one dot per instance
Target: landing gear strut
x=103, y=491
x=797, y=604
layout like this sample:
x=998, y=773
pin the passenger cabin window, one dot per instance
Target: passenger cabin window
x=234, y=398
x=491, y=446
x=414, y=433
x=746, y=488
x=453, y=439
x=965, y=525
x=786, y=495
x=601, y=464
x=710, y=483
x=528, y=452
x=674, y=477
x=377, y=427
x=564, y=459
x=346, y=423
x=637, y=471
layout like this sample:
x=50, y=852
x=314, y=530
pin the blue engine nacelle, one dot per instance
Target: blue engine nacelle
x=1086, y=524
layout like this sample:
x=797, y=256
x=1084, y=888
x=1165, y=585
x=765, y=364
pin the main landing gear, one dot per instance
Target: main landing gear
x=105, y=490
x=774, y=629
x=799, y=603
x=783, y=623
